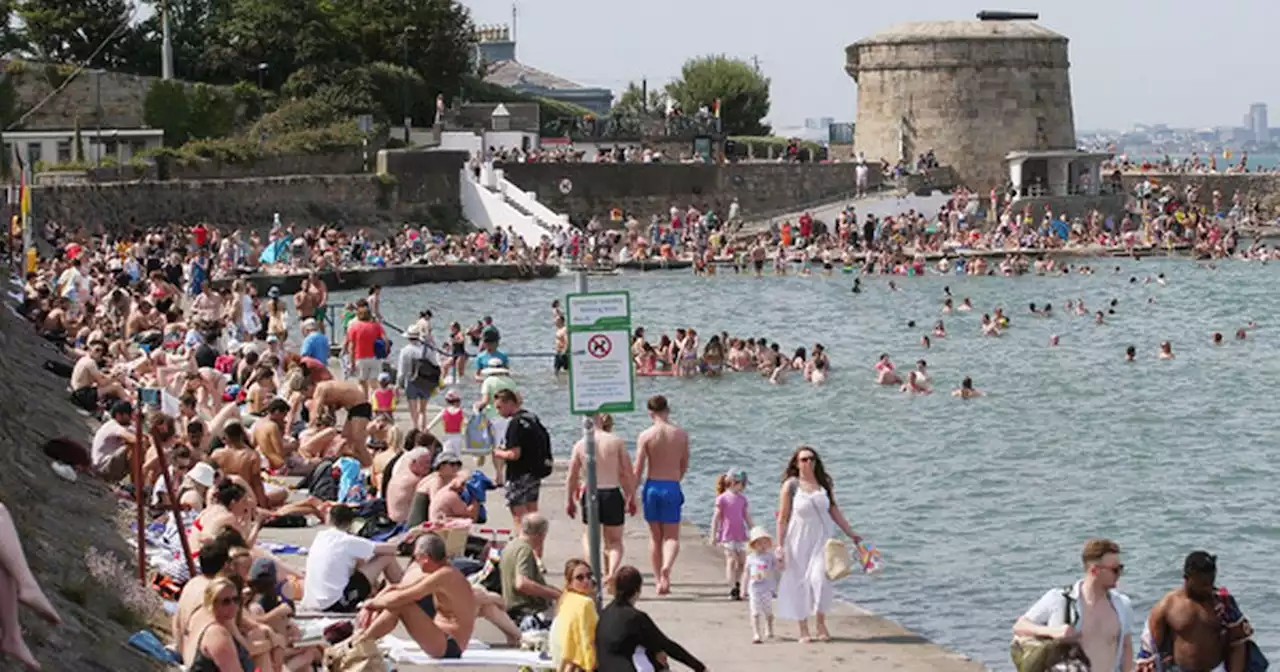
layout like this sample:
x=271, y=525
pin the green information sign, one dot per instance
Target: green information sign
x=601, y=373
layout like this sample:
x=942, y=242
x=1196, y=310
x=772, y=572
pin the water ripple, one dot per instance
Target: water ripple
x=979, y=506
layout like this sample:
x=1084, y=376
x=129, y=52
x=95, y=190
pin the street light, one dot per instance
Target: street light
x=262, y=72
x=405, y=95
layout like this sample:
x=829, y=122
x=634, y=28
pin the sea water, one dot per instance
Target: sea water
x=978, y=506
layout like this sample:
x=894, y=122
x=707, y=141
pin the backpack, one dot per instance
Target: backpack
x=1031, y=654
x=380, y=348
x=426, y=373
x=321, y=482
x=538, y=455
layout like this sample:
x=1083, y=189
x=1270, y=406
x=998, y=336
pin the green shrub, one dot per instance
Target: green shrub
x=212, y=113
x=296, y=116
x=250, y=101
x=15, y=67
x=761, y=144
x=167, y=109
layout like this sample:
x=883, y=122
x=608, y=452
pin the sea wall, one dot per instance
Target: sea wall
x=645, y=189
x=397, y=276
x=420, y=187
x=1258, y=187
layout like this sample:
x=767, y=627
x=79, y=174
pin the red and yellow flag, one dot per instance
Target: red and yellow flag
x=715, y=108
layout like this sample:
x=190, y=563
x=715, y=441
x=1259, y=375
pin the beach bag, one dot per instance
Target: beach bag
x=426, y=373
x=1229, y=614
x=380, y=347
x=349, y=657
x=1034, y=654
x=837, y=559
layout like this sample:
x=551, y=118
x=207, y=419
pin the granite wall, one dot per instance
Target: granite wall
x=643, y=190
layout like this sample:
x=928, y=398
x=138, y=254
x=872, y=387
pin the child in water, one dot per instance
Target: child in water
x=383, y=399
x=760, y=576
x=729, y=525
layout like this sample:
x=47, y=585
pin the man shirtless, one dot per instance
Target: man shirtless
x=615, y=490
x=143, y=318
x=319, y=296
x=238, y=458
x=1187, y=630
x=270, y=440
x=402, y=485
x=304, y=302
x=664, y=449
x=445, y=634
x=88, y=384
x=350, y=396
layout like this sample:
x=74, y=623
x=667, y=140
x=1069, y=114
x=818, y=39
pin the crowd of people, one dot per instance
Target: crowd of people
x=1187, y=164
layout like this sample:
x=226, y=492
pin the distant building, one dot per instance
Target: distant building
x=497, y=51
x=1257, y=123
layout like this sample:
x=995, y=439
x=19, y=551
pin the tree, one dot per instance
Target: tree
x=632, y=103
x=437, y=36
x=286, y=35
x=71, y=31
x=166, y=108
x=742, y=91
x=195, y=29
x=11, y=38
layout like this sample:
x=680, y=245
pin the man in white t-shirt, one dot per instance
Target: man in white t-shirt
x=342, y=568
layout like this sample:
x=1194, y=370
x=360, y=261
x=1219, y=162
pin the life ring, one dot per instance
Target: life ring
x=566, y=186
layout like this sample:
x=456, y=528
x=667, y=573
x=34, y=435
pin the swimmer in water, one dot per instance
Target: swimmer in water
x=915, y=384
x=1035, y=310
x=1080, y=309
x=1053, y=340
x=1097, y=318
x=884, y=372
x=818, y=366
x=1166, y=350
x=922, y=371
x=892, y=286
x=1241, y=334
x=1048, y=310
x=925, y=342
x=966, y=391
x=857, y=285
x=989, y=327
x=939, y=330
x=946, y=306
x=1217, y=338
x=1130, y=354
x=965, y=305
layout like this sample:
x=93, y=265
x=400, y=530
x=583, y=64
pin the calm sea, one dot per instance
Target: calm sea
x=1256, y=161
x=978, y=506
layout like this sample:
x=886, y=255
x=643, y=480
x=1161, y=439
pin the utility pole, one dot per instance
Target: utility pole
x=166, y=47
x=644, y=94
x=407, y=99
x=755, y=63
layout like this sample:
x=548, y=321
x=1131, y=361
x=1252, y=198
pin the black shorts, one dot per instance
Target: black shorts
x=522, y=489
x=361, y=411
x=613, y=506
x=86, y=398
x=561, y=362
x=358, y=590
x=758, y=264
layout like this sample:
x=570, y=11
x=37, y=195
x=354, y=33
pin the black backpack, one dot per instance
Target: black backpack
x=426, y=373
x=538, y=455
x=321, y=482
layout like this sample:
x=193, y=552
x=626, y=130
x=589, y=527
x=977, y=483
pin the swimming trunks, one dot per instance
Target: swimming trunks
x=662, y=501
x=612, y=506
x=561, y=362
x=361, y=411
x=451, y=649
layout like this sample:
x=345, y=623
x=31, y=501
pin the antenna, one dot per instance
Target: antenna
x=1001, y=15
x=513, y=22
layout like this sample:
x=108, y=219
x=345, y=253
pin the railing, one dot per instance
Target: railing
x=630, y=127
x=489, y=210
x=526, y=201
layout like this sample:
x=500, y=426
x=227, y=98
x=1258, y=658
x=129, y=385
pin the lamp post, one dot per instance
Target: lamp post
x=262, y=73
x=407, y=102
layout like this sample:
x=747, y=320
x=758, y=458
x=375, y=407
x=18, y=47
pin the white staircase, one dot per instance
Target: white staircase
x=486, y=206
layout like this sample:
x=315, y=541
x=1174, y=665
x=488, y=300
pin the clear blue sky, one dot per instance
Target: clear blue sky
x=1131, y=62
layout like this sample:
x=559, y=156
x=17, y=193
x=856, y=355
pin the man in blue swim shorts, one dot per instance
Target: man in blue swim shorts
x=663, y=450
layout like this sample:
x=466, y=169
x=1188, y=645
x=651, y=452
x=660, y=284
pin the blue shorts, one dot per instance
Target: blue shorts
x=662, y=501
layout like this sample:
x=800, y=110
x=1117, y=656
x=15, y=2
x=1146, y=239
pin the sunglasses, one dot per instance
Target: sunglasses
x=588, y=578
x=806, y=459
x=1118, y=568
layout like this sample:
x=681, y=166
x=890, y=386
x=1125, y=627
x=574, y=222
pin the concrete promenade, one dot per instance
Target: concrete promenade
x=698, y=613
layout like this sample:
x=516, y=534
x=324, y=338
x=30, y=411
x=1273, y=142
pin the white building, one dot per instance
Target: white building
x=55, y=147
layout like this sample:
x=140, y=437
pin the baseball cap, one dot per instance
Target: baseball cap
x=446, y=458
x=309, y=324
x=263, y=569
x=384, y=377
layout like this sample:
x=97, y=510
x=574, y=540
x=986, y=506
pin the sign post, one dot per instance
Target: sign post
x=601, y=380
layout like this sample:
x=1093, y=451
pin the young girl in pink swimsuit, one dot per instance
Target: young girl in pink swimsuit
x=729, y=526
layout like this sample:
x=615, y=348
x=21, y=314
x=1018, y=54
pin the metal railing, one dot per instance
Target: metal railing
x=332, y=332
x=630, y=127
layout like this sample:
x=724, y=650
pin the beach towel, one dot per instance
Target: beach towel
x=147, y=642
x=282, y=549
x=351, y=482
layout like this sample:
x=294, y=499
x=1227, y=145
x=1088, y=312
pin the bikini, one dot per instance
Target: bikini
x=203, y=663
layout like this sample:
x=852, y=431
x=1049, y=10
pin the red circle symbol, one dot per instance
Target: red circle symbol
x=599, y=346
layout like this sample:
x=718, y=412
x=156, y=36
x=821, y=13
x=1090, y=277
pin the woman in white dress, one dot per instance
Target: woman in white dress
x=807, y=512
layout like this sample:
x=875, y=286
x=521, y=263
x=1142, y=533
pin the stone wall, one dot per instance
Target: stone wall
x=352, y=200
x=1258, y=187
x=643, y=190
x=335, y=163
x=398, y=276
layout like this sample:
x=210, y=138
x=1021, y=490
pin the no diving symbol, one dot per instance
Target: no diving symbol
x=599, y=346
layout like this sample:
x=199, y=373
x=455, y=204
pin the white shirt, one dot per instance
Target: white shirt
x=107, y=440
x=330, y=563
x=1051, y=610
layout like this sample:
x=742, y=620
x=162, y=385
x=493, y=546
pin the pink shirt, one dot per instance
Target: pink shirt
x=733, y=516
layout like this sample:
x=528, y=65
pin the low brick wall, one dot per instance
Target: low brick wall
x=336, y=163
x=1257, y=187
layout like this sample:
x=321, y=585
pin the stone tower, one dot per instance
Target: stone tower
x=972, y=91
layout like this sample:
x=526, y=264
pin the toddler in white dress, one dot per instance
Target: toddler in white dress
x=759, y=576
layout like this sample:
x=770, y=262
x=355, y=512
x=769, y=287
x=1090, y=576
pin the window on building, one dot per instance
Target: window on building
x=64, y=151
x=8, y=152
x=34, y=154
x=111, y=150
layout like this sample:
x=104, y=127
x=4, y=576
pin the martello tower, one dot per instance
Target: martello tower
x=972, y=91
